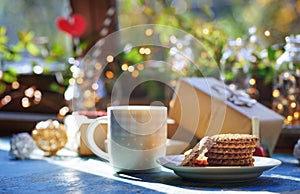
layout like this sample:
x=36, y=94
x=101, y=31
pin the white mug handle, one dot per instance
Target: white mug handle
x=90, y=138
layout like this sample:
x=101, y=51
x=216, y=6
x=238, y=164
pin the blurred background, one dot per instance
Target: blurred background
x=40, y=59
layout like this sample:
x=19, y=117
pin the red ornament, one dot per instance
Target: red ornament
x=74, y=26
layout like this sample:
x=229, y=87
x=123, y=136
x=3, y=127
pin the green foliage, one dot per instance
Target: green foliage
x=56, y=52
x=3, y=38
x=27, y=42
x=133, y=56
x=2, y=87
x=214, y=31
x=10, y=75
x=13, y=52
x=211, y=38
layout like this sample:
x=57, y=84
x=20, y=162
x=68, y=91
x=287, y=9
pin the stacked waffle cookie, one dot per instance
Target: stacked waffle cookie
x=222, y=150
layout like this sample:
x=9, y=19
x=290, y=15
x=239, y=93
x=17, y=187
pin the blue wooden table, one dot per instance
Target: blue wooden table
x=73, y=174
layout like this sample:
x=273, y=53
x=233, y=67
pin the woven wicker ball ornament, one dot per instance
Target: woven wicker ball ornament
x=21, y=146
x=50, y=136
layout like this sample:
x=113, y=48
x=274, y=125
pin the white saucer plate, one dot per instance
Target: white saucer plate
x=219, y=173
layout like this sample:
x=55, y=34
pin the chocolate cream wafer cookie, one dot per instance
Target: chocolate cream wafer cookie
x=230, y=162
x=193, y=157
x=234, y=145
x=222, y=150
x=228, y=156
x=235, y=138
x=232, y=150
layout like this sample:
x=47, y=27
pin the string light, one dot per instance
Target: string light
x=205, y=31
x=130, y=68
x=29, y=92
x=38, y=69
x=267, y=33
x=296, y=115
x=109, y=74
x=15, y=85
x=75, y=74
x=252, y=81
x=87, y=93
x=293, y=105
x=285, y=101
x=204, y=55
x=135, y=74
x=37, y=96
x=63, y=111
x=95, y=86
x=239, y=41
x=149, y=32
x=289, y=118
x=286, y=75
x=73, y=68
x=179, y=45
x=124, y=67
x=5, y=100
x=109, y=58
x=79, y=81
x=25, y=102
x=72, y=81
x=71, y=60
x=140, y=66
x=98, y=66
x=292, y=97
x=279, y=106
x=173, y=39
x=276, y=93
x=147, y=51
x=142, y=50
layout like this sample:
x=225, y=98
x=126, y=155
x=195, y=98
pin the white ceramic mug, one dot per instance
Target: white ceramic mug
x=136, y=137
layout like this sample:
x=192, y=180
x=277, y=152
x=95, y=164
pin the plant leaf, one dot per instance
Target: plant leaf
x=32, y=49
x=20, y=46
x=10, y=75
x=3, y=39
x=25, y=36
x=2, y=87
x=2, y=31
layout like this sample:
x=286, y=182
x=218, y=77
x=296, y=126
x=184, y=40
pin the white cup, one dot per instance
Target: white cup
x=136, y=137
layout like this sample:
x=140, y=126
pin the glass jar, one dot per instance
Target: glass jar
x=286, y=92
x=235, y=65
